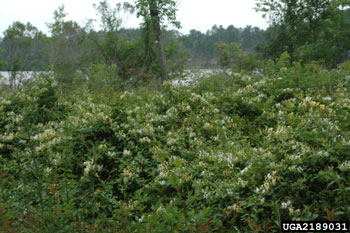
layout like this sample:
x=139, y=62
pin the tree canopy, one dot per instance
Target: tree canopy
x=308, y=30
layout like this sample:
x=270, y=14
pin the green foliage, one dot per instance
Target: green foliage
x=100, y=77
x=345, y=67
x=167, y=10
x=308, y=30
x=111, y=17
x=155, y=12
x=176, y=59
x=63, y=48
x=134, y=59
x=3, y=63
x=201, y=47
x=111, y=20
x=18, y=49
x=235, y=153
x=232, y=56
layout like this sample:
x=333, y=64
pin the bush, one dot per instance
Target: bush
x=231, y=56
x=236, y=153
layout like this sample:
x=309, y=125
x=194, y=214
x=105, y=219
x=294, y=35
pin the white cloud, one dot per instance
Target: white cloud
x=193, y=14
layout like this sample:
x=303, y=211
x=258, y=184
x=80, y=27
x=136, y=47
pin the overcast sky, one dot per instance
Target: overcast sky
x=193, y=14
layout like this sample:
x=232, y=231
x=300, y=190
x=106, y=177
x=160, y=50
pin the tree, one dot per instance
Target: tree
x=156, y=11
x=231, y=56
x=3, y=62
x=202, y=49
x=284, y=17
x=63, y=48
x=114, y=46
x=307, y=29
x=111, y=20
x=17, y=44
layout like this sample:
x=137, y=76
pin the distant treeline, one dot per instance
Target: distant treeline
x=199, y=48
x=303, y=31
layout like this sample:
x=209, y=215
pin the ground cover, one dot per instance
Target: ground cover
x=233, y=153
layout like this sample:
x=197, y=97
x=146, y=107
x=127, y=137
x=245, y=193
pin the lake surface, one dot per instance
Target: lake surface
x=189, y=76
x=20, y=76
x=194, y=75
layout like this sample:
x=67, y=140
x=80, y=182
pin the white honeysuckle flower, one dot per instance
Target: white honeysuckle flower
x=162, y=182
x=99, y=168
x=145, y=140
x=285, y=205
x=345, y=166
x=48, y=170
x=88, y=166
x=126, y=153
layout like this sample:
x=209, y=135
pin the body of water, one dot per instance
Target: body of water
x=21, y=76
x=189, y=77
x=194, y=75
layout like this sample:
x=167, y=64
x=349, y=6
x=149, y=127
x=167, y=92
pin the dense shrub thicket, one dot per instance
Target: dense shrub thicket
x=233, y=153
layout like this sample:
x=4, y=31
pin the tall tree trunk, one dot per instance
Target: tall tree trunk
x=146, y=35
x=158, y=39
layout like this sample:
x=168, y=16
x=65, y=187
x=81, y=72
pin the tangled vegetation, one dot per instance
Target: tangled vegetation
x=234, y=153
